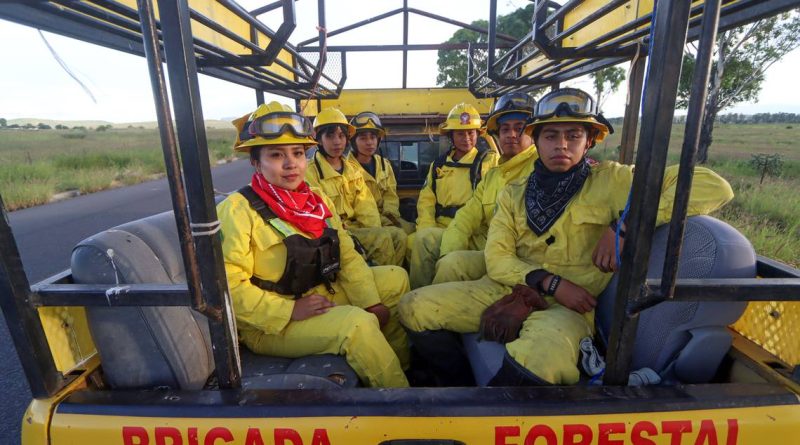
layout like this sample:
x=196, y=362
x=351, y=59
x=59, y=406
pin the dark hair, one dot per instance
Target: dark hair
x=255, y=153
x=591, y=131
x=329, y=129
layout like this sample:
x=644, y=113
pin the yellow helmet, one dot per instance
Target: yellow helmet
x=272, y=124
x=331, y=116
x=368, y=121
x=569, y=105
x=461, y=117
x=515, y=104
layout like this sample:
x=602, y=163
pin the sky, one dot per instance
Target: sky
x=34, y=85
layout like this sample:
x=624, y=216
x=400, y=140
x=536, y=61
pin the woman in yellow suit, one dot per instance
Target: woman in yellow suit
x=341, y=180
x=517, y=153
x=297, y=284
x=451, y=180
x=549, y=253
x=377, y=171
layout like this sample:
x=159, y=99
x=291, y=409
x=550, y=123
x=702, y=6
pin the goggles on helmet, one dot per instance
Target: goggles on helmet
x=566, y=101
x=273, y=125
x=363, y=119
x=514, y=101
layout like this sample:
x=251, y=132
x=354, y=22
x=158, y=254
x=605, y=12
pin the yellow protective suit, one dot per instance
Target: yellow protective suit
x=384, y=190
x=453, y=188
x=357, y=209
x=457, y=262
x=251, y=247
x=548, y=341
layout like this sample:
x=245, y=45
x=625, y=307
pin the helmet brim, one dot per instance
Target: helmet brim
x=602, y=129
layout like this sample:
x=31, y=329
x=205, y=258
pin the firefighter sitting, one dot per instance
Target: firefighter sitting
x=451, y=180
x=517, y=153
x=297, y=285
x=549, y=253
x=376, y=170
x=341, y=179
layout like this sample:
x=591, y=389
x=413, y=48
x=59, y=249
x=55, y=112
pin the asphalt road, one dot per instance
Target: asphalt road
x=45, y=236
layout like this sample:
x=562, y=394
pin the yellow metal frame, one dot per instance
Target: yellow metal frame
x=741, y=426
x=398, y=101
x=233, y=23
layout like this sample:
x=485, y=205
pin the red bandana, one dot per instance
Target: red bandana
x=302, y=208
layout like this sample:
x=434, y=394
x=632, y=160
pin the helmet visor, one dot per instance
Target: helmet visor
x=567, y=101
x=363, y=119
x=514, y=101
x=273, y=125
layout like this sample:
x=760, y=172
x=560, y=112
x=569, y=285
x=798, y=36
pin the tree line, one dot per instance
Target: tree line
x=42, y=126
x=758, y=118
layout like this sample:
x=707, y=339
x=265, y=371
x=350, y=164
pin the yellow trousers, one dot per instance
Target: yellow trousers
x=385, y=245
x=377, y=356
x=460, y=265
x=424, y=252
x=548, y=343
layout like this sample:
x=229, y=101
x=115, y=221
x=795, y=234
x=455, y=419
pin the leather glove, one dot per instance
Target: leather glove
x=502, y=320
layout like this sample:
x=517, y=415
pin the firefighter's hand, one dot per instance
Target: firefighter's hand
x=310, y=306
x=574, y=297
x=604, y=255
x=380, y=311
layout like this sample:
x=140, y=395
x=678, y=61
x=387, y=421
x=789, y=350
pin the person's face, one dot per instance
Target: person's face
x=562, y=146
x=283, y=166
x=464, y=140
x=512, y=139
x=334, y=142
x=367, y=142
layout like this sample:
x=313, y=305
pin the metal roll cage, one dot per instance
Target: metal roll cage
x=662, y=34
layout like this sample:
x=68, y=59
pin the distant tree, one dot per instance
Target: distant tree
x=742, y=57
x=79, y=127
x=103, y=127
x=28, y=126
x=453, y=64
x=3, y=122
x=13, y=126
x=606, y=81
x=61, y=127
x=42, y=126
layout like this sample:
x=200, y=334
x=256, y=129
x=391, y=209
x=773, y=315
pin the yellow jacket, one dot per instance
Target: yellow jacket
x=473, y=219
x=348, y=191
x=251, y=247
x=452, y=188
x=513, y=249
x=383, y=187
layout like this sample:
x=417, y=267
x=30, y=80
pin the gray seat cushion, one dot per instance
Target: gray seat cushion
x=681, y=341
x=686, y=341
x=148, y=347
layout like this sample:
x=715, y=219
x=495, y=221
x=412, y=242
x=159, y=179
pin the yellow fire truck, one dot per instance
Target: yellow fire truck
x=136, y=343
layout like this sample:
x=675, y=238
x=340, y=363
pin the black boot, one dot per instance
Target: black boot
x=512, y=373
x=443, y=354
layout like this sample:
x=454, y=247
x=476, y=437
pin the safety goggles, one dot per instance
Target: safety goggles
x=514, y=101
x=363, y=119
x=273, y=125
x=565, y=102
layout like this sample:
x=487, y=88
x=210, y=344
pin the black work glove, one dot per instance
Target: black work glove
x=502, y=320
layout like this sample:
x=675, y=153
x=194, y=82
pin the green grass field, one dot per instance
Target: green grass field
x=769, y=213
x=35, y=165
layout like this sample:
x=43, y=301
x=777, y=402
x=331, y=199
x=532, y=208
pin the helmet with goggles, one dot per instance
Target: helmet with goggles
x=569, y=105
x=514, y=104
x=272, y=124
x=463, y=116
x=368, y=121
